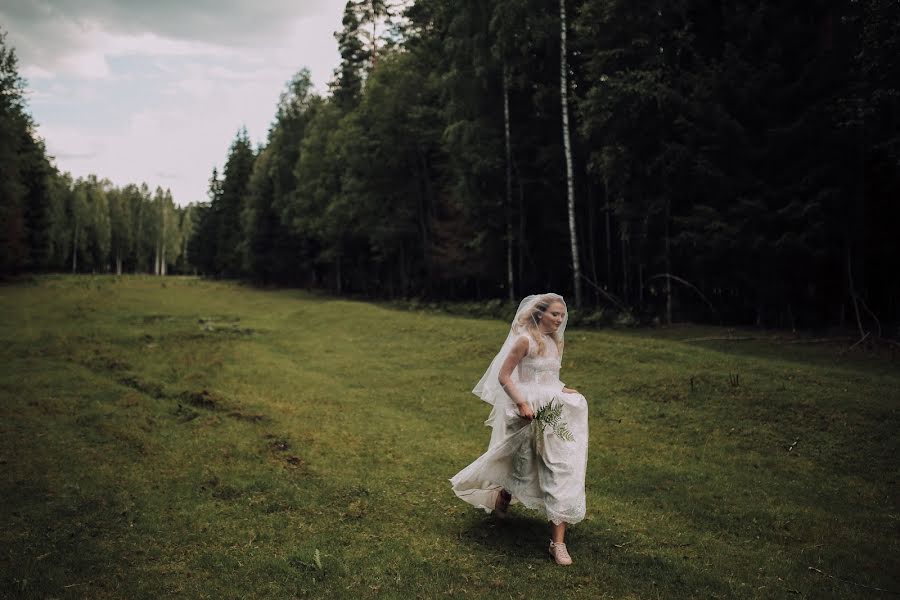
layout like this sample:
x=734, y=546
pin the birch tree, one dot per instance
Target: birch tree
x=120, y=228
x=76, y=213
x=509, y=228
x=567, y=146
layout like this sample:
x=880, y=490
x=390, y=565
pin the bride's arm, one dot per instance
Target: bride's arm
x=518, y=351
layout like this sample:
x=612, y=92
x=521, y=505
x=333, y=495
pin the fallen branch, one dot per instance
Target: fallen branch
x=690, y=285
x=720, y=339
x=606, y=294
x=869, y=587
x=852, y=291
x=860, y=341
x=821, y=340
x=868, y=310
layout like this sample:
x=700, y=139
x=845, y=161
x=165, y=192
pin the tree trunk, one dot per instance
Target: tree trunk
x=624, y=238
x=570, y=177
x=374, y=43
x=509, y=227
x=338, y=274
x=75, y=248
x=425, y=204
x=161, y=268
x=668, y=266
x=592, y=240
x=640, y=281
x=642, y=252
x=521, y=208
x=404, y=274
x=608, y=215
x=859, y=324
x=522, y=247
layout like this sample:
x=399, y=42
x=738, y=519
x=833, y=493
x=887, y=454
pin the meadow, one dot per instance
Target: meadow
x=177, y=437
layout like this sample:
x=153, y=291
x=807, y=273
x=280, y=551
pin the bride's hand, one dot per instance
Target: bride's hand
x=569, y=391
x=525, y=411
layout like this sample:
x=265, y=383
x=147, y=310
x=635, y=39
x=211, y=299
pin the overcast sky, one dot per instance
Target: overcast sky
x=154, y=90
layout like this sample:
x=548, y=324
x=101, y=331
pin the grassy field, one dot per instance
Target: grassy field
x=184, y=438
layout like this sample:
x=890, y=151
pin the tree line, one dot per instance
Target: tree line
x=732, y=162
x=687, y=159
x=52, y=222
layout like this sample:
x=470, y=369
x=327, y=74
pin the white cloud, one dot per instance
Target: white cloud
x=154, y=92
x=72, y=144
x=195, y=87
x=32, y=72
x=86, y=65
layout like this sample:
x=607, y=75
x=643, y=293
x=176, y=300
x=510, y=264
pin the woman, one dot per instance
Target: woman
x=538, y=449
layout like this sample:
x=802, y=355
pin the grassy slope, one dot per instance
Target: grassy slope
x=290, y=445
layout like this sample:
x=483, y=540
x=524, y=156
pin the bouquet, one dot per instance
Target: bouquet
x=551, y=416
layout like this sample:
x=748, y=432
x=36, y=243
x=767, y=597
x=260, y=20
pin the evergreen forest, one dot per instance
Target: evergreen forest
x=731, y=163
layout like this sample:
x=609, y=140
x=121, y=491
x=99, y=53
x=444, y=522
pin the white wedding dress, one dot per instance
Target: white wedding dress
x=539, y=468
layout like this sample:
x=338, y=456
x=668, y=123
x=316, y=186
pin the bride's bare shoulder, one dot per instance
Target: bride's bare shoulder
x=521, y=345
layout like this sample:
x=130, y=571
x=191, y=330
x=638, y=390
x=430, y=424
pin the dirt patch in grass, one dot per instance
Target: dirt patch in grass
x=150, y=388
x=186, y=414
x=278, y=448
x=279, y=445
x=250, y=418
x=226, y=325
x=204, y=399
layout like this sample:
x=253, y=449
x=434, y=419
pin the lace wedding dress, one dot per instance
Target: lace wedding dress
x=538, y=466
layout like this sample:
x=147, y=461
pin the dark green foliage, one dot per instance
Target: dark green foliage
x=203, y=242
x=716, y=128
x=733, y=163
x=349, y=77
x=229, y=205
x=17, y=158
x=273, y=253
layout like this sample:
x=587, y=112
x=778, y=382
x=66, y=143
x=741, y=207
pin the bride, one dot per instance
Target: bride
x=538, y=449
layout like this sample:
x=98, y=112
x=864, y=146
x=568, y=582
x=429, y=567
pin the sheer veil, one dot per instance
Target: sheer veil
x=541, y=469
x=527, y=318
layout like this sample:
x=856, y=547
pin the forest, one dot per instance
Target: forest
x=732, y=163
x=52, y=222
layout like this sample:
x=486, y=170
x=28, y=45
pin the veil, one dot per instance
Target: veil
x=527, y=316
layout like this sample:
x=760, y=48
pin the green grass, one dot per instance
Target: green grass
x=184, y=438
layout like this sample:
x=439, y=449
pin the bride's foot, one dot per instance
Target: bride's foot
x=559, y=553
x=501, y=505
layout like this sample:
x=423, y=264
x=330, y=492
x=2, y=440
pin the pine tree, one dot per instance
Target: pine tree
x=349, y=76
x=235, y=180
x=15, y=129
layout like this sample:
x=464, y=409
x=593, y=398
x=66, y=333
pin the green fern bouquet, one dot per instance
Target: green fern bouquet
x=550, y=415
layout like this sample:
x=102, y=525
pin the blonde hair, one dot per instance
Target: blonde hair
x=530, y=322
